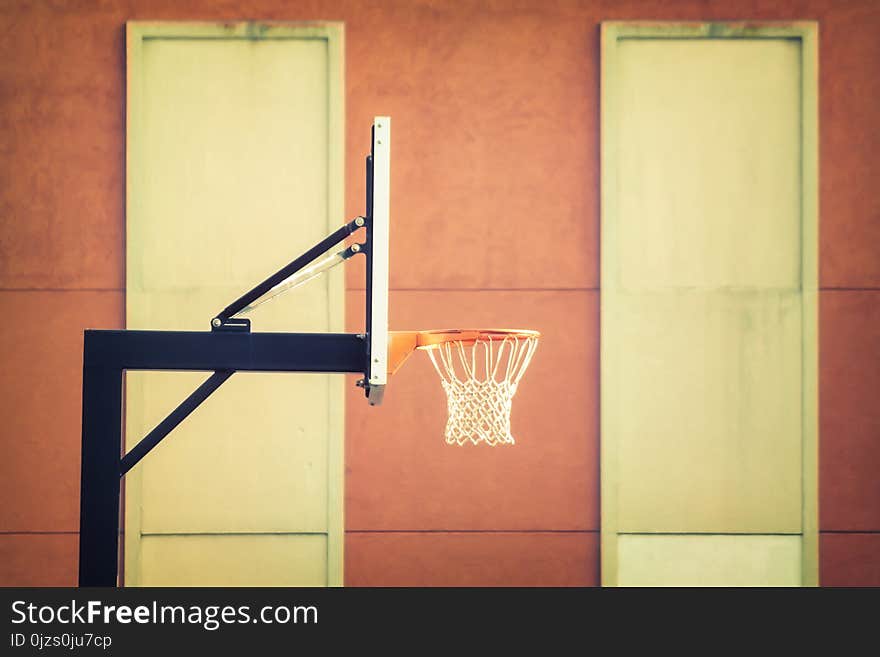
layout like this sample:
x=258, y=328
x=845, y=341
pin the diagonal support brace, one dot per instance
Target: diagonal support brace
x=178, y=415
x=225, y=315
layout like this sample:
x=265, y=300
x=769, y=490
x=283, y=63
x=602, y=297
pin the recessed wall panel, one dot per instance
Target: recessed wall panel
x=710, y=434
x=234, y=169
x=709, y=303
x=709, y=163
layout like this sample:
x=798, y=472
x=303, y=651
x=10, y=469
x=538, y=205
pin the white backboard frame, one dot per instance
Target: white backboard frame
x=378, y=224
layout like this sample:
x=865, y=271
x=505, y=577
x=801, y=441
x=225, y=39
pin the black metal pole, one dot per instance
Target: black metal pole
x=178, y=415
x=99, y=486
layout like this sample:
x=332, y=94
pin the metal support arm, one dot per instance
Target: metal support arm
x=108, y=354
x=286, y=272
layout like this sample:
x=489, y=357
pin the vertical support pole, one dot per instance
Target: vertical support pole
x=99, y=488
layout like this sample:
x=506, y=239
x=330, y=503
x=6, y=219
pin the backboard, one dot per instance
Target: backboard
x=378, y=223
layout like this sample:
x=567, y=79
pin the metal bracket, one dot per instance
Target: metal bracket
x=231, y=324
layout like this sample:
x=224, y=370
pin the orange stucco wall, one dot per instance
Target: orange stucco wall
x=496, y=222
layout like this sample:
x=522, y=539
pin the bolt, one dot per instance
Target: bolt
x=216, y=322
x=355, y=248
x=375, y=360
x=361, y=336
x=360, y=383
x=359, y=221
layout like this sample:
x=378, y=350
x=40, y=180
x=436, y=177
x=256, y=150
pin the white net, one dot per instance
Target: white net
x=480, y=380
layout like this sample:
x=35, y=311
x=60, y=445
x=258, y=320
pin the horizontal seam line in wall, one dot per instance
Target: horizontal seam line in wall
x=482, y=289
x=471, y=531
x=849, y=531
x=62, y=289
x=599, y=289
x=36, y=532
x=849, y=289
x=234, y=533
x=717, y=533
x=412, y=289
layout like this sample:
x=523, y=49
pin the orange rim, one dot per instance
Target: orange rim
x=433, y=338
x=402, y=343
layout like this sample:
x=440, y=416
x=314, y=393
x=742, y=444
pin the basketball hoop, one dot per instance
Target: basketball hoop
x=480, y=370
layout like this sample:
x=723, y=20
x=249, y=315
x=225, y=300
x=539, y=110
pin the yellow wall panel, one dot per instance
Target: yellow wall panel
x=250, y=458
x=234, y=168
x=235, y=143
x=710, y=434
x=709, y=156
x=709, y=560
x=230, y=560
x=708, y=303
